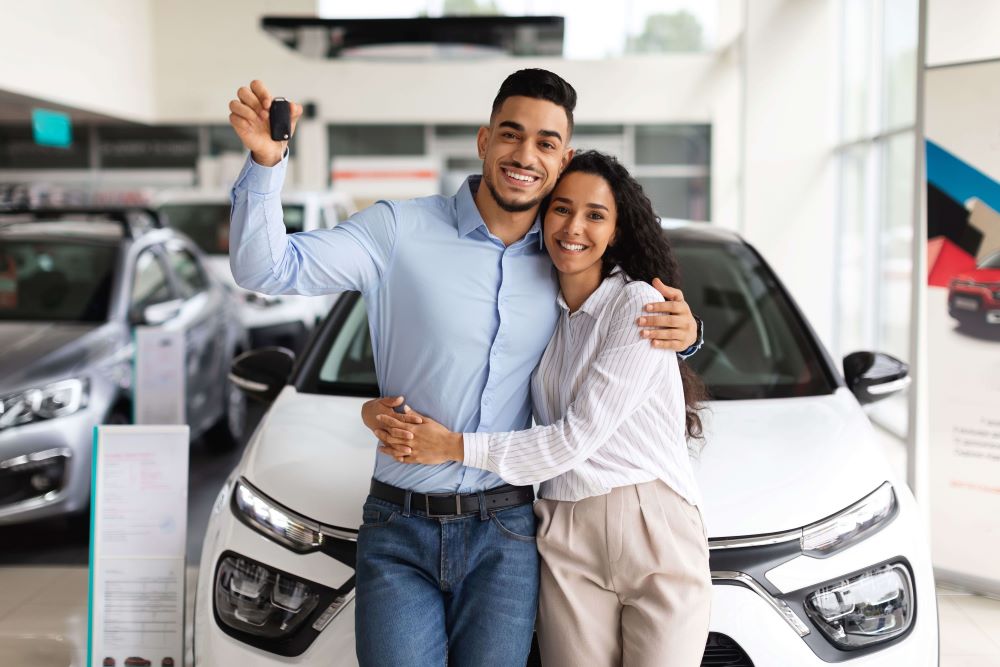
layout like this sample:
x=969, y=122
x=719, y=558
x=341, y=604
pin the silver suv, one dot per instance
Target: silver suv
x=74, y=283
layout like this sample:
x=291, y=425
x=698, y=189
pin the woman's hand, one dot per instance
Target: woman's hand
x=428, y=442
x=386, y=406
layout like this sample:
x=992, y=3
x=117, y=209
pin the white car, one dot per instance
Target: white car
x=817, y=549
x=203, y=215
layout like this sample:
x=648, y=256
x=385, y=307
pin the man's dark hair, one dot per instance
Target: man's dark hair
x=540, y=84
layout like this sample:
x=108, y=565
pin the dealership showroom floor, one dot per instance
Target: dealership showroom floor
x=227, y=225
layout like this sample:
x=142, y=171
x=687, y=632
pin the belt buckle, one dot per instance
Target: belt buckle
x=427, y=504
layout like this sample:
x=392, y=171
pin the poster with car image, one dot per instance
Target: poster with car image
x=963, y=321
x=139, y=533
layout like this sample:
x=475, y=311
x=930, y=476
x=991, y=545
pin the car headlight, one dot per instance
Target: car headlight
x=276, y=522
x=867, y=609
x=53, y=400
x=851, y=525
x=261, y=300
x=254, y=598
x=272, y=609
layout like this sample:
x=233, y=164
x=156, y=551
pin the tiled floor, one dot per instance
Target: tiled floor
x=43, y=620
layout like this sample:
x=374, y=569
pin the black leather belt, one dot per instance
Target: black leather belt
x=454, y=504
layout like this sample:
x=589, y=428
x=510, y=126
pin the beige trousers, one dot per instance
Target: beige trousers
x=624, y=580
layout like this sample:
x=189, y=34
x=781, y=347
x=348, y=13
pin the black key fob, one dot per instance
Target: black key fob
x=281, y=119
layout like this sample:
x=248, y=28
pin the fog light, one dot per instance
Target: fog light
x=253, y=598
x=871, y=608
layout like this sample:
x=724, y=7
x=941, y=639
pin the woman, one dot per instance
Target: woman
x=625, y=576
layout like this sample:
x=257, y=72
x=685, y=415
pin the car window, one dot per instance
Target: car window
x=56, y=281
x=150, y=284
x=207, y=224
x=755, y=344
x=191, y=278
x=350, y=359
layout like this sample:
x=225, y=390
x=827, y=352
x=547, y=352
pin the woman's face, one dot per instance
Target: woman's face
x=580, y=223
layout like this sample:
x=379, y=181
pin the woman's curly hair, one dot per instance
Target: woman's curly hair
x=642, y=251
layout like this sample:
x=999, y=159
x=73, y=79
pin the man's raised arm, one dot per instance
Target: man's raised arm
x=352, y=256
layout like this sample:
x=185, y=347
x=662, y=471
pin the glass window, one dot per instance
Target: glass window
x=190, y=276
x=150, y=284
x=55, y=281
x=18, y=149
x=350, y=359
x=672, y=144
x=148, y=147
x=900, y=62
x=207, y=224
x=854, y=258
x=681, y=198
x=857, y=63
x=223, y=139
x=991, y=262
x=348, y=140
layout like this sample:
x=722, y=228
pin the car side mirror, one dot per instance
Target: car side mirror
x=262, y=373
x=155, y=314
x=872, y=376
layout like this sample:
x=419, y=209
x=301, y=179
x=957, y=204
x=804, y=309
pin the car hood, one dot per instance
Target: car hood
x=32, y=352
x=779, y=464
x=980, y=276
x=767, y=465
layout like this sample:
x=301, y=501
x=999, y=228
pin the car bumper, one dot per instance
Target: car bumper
x=74, y=434
x=739, y=613
x=977, y=305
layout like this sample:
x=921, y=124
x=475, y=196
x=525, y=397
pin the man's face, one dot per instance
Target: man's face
x=524, y=150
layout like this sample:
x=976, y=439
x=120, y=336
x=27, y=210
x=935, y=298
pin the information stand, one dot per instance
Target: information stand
x=137, y=546
x=159, y=376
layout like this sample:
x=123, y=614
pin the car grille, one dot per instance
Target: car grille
x=721, y=651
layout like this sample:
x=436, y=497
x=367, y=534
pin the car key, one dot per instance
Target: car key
x=280, y=115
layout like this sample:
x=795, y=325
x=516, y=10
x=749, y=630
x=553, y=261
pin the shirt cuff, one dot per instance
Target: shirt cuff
x=260, y=179
x=690, y=352
x=477, y=450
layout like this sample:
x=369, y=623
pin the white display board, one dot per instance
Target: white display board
x=137, y=545
x=159, y=396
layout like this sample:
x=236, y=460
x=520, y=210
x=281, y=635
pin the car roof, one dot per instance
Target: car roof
x=66, y=229
x=685, y=230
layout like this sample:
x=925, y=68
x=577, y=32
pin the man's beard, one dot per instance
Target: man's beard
x=507, y=205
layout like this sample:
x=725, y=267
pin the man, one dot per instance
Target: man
x=461, y=301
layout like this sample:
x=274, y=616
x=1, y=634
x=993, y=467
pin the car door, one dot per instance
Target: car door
x=202, y=316
x=152, y=298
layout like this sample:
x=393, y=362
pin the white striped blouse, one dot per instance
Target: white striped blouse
x=609, y=407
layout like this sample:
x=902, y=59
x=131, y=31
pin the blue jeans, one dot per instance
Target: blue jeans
x=461, y=591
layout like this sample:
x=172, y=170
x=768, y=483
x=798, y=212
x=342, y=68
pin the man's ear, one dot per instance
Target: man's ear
x=482, y=141
x=567, y=156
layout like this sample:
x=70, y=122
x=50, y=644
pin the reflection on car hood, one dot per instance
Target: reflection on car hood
x=31, y=352
x=313, y=454
x=768, y=465
x=778, y=464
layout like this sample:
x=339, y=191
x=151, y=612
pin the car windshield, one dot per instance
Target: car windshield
x=55, y=281
x=755, y=344
x=208, y=224
x=991, y=262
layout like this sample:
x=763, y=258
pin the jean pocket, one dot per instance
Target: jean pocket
x=517, y=523
x=373, y=516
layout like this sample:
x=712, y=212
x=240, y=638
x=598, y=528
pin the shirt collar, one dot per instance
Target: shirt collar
x=469, y=218
x=600, y=297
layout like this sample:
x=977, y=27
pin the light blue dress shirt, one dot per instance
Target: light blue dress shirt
x=458, y=320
